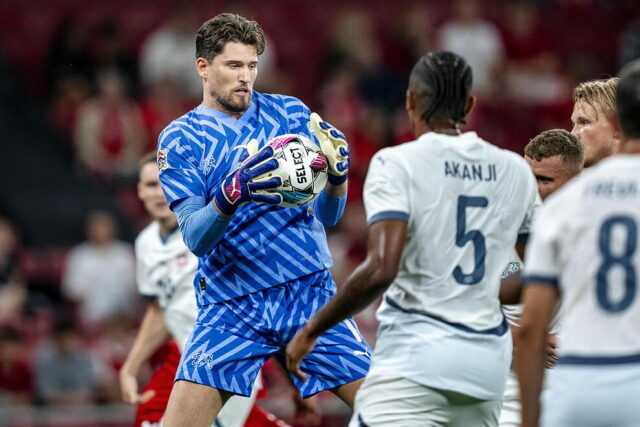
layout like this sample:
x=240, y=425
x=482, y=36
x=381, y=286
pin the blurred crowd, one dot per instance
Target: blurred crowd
x=110, y=97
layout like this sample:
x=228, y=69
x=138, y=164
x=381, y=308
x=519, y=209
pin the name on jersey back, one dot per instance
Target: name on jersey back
x=613, y=189
x=470, y=172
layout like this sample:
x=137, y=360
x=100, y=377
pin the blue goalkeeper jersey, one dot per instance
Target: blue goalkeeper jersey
x=263, y=245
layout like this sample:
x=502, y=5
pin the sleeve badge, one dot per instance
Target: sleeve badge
x=163, y=163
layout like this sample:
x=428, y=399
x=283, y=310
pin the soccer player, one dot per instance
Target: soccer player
x=263, y=270
x=555, y=156
x=165, y=272
x=584, y=250
x=444, y=212
x=594, y=119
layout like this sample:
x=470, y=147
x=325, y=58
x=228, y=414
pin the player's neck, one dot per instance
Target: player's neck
x=167, y=226
x=210, y=103
x=420, y=127
x=446, y=127
x=447, y=131
x=630, y=146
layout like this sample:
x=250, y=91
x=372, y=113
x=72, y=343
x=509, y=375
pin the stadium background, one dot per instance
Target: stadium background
x=81, y=100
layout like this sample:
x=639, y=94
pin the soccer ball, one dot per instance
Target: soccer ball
x=302, y=167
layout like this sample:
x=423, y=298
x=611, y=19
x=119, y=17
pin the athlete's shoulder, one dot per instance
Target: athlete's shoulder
x=175, y=130
x=513, y=161
x=284, y=105
x=147, y=238
x=273, y=99
x=565, y=202
x=287, y=109
x=393, y=154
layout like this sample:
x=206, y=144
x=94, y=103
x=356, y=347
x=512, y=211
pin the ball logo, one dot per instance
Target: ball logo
x=298, y=161
x=302, y=167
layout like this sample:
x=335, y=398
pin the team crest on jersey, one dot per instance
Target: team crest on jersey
x=511, y=268
x=163, y=163
x=207, y=164
x=201, y=359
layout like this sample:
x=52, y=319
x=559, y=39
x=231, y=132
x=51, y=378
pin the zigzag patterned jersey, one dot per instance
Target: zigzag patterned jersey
x=263, y=245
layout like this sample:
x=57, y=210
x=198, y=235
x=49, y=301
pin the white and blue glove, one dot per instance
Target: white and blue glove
x=335, y=148
x=251, y=181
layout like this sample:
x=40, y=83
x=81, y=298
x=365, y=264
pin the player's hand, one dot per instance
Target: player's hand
x=551, y=351
x=335, y=148
x=129, y=390
x=251, y=181
x=307, y=412
x=297, y=349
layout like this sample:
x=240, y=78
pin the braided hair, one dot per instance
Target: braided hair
x=441, y=82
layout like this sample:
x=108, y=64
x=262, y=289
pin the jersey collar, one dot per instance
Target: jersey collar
x=228, y=120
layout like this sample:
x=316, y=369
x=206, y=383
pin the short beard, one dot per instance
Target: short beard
x=232, y=108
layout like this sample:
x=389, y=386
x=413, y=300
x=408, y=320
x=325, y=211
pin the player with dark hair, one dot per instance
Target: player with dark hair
x=263, y=269
x=444, y=212
x=584, y=249
x=628, y=105
x=594, y=119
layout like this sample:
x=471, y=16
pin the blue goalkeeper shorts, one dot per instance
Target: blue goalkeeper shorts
x=231, y=340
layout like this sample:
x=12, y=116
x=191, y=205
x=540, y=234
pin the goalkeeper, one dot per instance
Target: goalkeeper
x=263, y=270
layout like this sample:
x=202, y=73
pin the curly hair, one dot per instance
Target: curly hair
x=215, y=33
x=556, y=142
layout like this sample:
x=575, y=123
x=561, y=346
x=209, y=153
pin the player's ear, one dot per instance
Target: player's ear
x=201, y=67
x=140, y=187
x=410, y=101
x=470, y=104
x=617, y=132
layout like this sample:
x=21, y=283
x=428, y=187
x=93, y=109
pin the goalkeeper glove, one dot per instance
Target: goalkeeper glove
x=251, y=181
x=334, y=146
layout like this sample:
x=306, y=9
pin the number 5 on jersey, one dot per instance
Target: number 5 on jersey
x=464, y=236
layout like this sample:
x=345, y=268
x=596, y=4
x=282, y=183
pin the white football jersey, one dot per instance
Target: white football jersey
x=585, y=241
x=165, y=270
x=465, y=202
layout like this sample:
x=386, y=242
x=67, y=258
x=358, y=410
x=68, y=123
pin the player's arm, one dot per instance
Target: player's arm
x=369, y=280
x=539, y=303
x=511, y=286
x=203, y=224
x=151, y=335
x=329, y=206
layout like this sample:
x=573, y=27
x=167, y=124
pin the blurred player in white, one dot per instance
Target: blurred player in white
x=165, y=272
x=594, y=119
x=584, y=249
x=444, y=213
x=555, y=156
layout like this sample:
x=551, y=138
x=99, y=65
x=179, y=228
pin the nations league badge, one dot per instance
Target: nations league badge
x=162, y=160
x=511, y=268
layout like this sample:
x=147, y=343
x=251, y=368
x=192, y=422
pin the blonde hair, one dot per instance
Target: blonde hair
x=599, y=94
